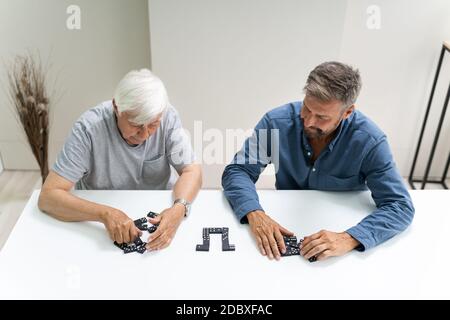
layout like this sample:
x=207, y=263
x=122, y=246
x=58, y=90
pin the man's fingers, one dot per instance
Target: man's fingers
x=155, y=239
x=126, y=237
x=316, y=250
x=324, y=255
x=158, y=243
x=161, y=243
x=155, y=235
x=135, y=232
x=312, y=244
x=132, y=234
x=118, y=236
x=155, y=220
x=151, y=246
x=261, y=249
x=266, y=245
x=260, y=244
x=125, y=230
x=310, y=238
x=280, y=241
x=274, y=246
x=165, y=244
x=285, y=231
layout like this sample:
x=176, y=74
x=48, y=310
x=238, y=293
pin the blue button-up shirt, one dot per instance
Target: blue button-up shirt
x=357, y=158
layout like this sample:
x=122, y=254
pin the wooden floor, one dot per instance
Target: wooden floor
x=16, y=188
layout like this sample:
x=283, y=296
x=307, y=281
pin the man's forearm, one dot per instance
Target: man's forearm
x=64, y=206
x=238, y=182
x=188, y=184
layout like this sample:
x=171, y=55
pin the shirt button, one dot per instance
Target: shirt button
x=314, y=169
x=309, y=153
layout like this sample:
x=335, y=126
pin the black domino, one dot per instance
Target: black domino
x=152, y=214
x=141, y=249
x=205, y=237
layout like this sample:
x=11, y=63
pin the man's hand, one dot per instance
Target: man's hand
x=168, y=220
x=120, y=227
x=268, y=234
x=324, y=244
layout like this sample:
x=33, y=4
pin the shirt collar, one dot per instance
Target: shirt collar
x=344, y=124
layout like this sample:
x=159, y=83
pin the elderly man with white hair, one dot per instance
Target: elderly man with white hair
x=136, y=141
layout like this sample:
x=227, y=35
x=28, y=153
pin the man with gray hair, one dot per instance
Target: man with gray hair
x=326, y=145
x=136, y=141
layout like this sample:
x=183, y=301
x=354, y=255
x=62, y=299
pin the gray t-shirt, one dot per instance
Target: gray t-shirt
x=95, y=155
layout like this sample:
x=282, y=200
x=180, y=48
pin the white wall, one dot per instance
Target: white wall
x=398, y=64
x=228, y=62
x=87, y=63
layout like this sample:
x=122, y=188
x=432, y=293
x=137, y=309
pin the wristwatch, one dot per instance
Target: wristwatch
x=185, y=203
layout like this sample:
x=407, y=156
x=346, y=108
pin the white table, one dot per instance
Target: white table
x=45, y=258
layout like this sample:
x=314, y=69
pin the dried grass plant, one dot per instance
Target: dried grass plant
x=28, y=94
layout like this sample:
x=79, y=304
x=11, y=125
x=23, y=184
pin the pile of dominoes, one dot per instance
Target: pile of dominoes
x=138, y=245
x=293, y=247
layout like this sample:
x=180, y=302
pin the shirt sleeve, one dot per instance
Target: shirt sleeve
x=179, y=151
x=395, y=210
x=240, y=176
x=74, y=160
